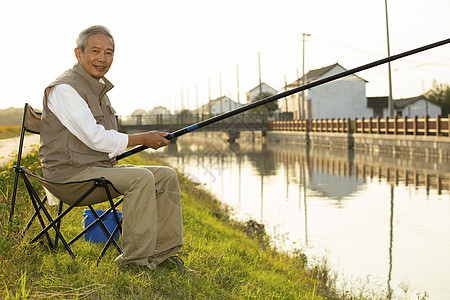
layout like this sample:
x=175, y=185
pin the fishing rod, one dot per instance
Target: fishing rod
x=278, y=96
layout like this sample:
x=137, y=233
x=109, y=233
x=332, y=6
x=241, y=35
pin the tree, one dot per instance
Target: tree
x=262, y=112
x=270, y=107
x=185, y=116
x=440, y=93
x=139, y=112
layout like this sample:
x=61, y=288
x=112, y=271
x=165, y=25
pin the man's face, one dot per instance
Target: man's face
x=97, y=56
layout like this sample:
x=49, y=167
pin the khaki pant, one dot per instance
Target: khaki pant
x=152, y=217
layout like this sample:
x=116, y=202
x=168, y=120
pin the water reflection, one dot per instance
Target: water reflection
x=337, y=204
x=391, y=240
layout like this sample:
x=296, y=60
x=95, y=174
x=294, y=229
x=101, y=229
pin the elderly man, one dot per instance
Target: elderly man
x=79, y=140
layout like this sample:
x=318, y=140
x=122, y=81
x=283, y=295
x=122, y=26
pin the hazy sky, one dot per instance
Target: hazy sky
x=165, y=49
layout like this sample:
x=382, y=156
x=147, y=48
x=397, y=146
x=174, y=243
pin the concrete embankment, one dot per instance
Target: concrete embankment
x=413, y=146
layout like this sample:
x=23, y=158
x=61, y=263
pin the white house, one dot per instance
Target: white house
x=259, y=89
x=341, y=98
x=410, y=107
x=219, y=106
x=153, y=116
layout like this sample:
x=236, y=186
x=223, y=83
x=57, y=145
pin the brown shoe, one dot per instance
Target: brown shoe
x=175, y=262
x=124, y=266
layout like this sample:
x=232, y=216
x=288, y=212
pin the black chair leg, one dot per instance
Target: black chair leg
x=58, y=224
x=13, y=199
x=105, y=230
x=38, y=206
x=33, y=217
x=108, y=243
x=38, y=203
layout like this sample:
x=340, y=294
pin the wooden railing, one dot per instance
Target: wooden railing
x=397, y=126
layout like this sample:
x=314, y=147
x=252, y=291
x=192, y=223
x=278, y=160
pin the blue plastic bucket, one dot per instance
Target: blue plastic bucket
x=96, y=233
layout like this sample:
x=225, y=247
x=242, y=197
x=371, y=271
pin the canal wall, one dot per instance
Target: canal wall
x=405, y=145
x=425, y=147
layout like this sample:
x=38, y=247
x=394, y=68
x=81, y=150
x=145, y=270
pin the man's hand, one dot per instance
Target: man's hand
x=151, y=139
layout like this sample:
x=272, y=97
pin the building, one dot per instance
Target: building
x=410, y=107
x=218, y=106
x=261, y=88
x=154, y=116
x=342, y=98
x=159, y=110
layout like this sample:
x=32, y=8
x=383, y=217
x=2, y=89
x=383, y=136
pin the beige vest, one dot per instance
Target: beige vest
x=62, y=154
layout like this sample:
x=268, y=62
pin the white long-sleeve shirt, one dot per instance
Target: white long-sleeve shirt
x=74, y=113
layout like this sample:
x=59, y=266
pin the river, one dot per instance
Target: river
x=379, y=223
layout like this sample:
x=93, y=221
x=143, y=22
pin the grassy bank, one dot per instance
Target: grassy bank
x=7, y=132
x=233, y=260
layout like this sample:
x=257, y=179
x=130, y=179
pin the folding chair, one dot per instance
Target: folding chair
x=75, y=194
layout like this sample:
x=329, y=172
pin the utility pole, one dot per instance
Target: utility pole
x=187, y=99
x=259, y=65
x=196, y=101
x=209, y=95
x=390, y=98
x=305, y=35
x=237, y=78
x=209, y=89
x=299, y=99
x=285, y=98
x=182, y=92
x=220, y=84
x=220, y=89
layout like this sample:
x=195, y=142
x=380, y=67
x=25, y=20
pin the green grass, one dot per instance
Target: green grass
x=233, y=260
x=7, y=132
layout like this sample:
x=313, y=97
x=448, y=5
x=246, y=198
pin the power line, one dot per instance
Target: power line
x=346, y=46
x=419, y=63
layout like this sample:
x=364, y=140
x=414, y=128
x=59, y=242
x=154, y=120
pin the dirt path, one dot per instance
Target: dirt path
x=8, y=148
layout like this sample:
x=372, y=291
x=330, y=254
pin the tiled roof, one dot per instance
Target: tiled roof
x=313, y=75
x=262, y=84
x=379, y=102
